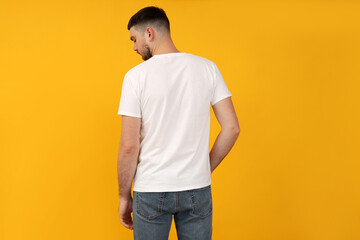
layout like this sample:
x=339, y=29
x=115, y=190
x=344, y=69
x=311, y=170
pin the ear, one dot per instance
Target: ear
x=149, y=33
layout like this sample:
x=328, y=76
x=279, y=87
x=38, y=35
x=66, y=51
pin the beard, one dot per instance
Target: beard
x=147, y=52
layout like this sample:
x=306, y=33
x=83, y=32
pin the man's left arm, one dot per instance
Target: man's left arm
x=127, y=162
x=128, y=154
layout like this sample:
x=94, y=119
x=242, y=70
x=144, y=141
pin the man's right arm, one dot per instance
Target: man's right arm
x=230, y=130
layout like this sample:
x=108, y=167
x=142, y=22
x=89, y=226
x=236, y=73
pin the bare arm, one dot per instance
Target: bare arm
x=230, y=130
x=128, y=154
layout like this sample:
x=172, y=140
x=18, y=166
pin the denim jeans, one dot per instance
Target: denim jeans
x=192, y=211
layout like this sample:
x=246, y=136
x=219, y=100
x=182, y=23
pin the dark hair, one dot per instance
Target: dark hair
x=154, y=16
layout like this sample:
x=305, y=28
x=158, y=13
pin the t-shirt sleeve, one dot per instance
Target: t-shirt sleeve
x=130, y=98
x=220, y=90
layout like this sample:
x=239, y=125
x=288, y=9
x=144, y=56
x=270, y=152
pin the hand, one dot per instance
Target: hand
x=125, y=209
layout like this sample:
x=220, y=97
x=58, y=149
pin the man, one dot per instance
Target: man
x=165, y=107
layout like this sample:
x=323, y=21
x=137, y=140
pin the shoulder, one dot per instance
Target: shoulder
x=134, y=71
x=134, y=74
x=200, y=59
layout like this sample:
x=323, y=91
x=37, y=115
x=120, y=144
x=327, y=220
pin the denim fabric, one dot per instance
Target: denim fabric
x=192, y=211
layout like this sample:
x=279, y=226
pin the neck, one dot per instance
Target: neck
x=166, y=46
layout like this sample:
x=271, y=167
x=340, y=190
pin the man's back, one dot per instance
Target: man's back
x=172, y=94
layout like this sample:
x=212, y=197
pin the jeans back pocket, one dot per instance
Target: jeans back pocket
x=201, y=200
x=149, y=204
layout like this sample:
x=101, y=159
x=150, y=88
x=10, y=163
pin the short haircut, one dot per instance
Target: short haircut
x=149, y=16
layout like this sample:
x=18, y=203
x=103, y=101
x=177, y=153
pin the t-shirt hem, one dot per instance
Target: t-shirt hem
x=170, y=189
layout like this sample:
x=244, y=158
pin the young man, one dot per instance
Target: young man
x=166, y=99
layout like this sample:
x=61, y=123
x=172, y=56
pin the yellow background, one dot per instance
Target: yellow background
x=293, y=70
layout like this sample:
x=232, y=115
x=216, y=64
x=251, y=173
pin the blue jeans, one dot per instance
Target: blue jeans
x=192, y=210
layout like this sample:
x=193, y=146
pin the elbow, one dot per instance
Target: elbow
x=235, y=130
x=129, y=149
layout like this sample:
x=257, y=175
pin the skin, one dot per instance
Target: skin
x=148, y=44
x=151, y=42
x=127, y=163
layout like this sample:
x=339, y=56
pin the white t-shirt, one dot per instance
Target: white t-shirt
x=172, y=94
